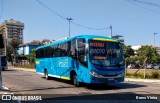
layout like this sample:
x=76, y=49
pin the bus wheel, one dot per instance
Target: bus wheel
x=75, y=81
x=46, y=74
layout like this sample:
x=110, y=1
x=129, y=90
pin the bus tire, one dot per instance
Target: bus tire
x=46, y=74
x=75, y=81
x=3, y=69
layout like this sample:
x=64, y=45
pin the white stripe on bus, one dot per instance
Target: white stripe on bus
x=56, y=76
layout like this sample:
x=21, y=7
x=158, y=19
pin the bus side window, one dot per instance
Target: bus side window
x=40, y=53
x=73, y=49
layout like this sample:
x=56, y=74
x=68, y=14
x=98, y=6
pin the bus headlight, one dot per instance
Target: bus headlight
x=95, y=74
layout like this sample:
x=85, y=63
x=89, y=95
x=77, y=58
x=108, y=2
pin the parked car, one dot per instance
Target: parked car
x=157, y=66
x=150, y=66
x=130, y=66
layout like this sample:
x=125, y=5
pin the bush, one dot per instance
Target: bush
x=138, y=75
x=155, y=74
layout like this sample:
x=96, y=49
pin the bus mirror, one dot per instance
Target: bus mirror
x=86, y=49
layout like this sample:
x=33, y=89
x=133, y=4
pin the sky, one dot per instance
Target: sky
x=136, y=20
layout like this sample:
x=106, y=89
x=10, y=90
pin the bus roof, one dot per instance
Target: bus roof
x=79, y=36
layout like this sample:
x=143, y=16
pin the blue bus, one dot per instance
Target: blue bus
x=84, y=58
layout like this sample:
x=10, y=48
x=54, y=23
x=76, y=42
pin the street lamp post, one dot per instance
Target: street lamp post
x=110, y=30
x=69, y=19
x=154, y=39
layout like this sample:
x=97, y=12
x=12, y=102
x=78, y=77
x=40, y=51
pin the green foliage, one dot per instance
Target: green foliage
x=150, y=53
x=31, y=57
x=128, y=51
x=9, y=52
x=12, y=49
x=155, y=74
x=135, y=60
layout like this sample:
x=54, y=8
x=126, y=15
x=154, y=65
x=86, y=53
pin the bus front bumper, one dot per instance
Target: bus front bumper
x=107, y=79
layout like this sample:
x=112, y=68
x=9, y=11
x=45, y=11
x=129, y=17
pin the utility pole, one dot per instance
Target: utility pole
x=5, y=46
x=111, y=30
x=69, y=20
x=154, y=39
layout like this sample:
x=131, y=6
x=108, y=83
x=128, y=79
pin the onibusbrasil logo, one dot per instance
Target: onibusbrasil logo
x=21, y=98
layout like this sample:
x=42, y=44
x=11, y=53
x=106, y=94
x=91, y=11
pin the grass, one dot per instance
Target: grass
x=149, y=73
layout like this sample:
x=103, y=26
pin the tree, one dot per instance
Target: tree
x=12, y=49
x=14, y=45
x=150, y=53
x=128, y=51
x=31, y=57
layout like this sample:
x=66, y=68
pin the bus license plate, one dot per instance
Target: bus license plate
x=111, y=79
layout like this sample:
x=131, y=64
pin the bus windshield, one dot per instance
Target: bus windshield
x=105, y=53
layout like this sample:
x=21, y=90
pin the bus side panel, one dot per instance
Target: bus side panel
x=49, y=66
x=64, y=66
x=83, y=74
x=40, y=65
x=53, y=66
x=81, y=71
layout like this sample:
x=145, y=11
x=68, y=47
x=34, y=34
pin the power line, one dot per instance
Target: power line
x=143, y=7
x=71, y=21
x=88, y=27
x=1, y=11
x=145, y=2
x=51, y=10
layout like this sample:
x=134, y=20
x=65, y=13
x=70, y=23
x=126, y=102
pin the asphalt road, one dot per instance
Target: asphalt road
x=30, y=83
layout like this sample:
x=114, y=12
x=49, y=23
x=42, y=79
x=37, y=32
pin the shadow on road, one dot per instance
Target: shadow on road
x=9, y=70
x=102, y=86
x=113, y=86
x=38, y=89
x=59, y=80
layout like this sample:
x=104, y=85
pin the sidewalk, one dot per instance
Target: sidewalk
x=24, y=69
x=142, y=80
x=4, y=90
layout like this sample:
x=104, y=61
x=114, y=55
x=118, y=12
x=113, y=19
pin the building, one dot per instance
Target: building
x=119, y=37
x=158, y=50
x=46, y=41
x=136, y=47
x=27, y=48
x=12, y=29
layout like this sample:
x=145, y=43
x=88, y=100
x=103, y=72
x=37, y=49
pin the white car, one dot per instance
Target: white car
x=130, y=66
x=156, y=66
x=150, y=66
